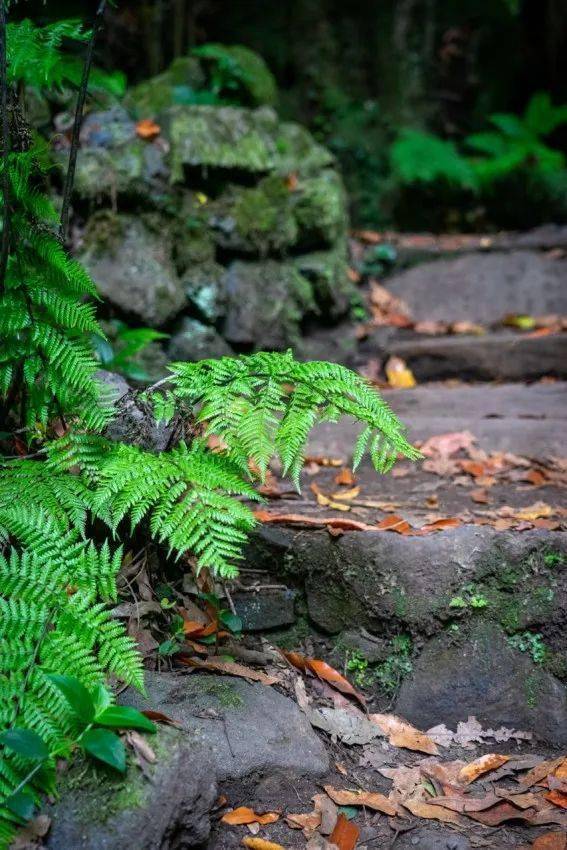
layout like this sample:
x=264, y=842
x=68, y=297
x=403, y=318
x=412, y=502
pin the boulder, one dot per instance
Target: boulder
x=265, y=303
x=327, y=271
x=175, y=85
x=130, y=259
x=133, y=421
x=247, y=727
x=479, y=673
x=194, y=341
x=484, y=287
x=203, y=285
x=266, y=609
x=166, y=807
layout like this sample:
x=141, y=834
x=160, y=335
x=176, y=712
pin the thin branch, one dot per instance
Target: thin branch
x=70, y=176
x=5, y=142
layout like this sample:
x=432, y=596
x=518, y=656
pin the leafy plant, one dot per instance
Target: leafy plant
x=237, y=74
x=121, y=354
x=59, y=643
x=532, y=643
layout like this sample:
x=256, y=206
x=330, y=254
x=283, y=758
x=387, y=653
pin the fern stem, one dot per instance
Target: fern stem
x=70, y=176
x=5, y=245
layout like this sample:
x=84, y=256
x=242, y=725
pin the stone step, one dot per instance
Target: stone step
x=500, y=356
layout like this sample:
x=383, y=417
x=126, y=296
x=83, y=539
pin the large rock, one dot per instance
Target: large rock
x=480, y=674
x=194, y=341
x=133, y=421
x=265, y=303
x=130, y=259
x=165, y=808
x=484, y=287
x=248, y=727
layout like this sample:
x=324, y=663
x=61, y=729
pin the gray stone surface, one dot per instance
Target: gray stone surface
x=195, y=341
x=265, y=609
x=249, y=728
x=484, y=287
x=131, y=264
x=526, y=420
x=501, y=356
x=166, y=810
x=134, y=422
x=480, y=674
x=430, y=838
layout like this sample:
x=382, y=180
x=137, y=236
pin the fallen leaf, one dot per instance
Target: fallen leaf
x=260, y=843
x=550, y=841
x=345, y=834
x=425, y=810
x=405, y=780
x=531, y=512
x=394, y=523
x=308, y=822
x=558, y=798
x=476, y=768
x=327, y=811
x=480, y=496
x=445, y=445
x=541, y=771
x=561, y=772
x=501, y=813
x=398, y=374
x=345, y=477
x=535, y=477
x=147, y=129
x=442, y=524
x=321, y=460
x=328, y=674
x=326, y=502
x=369, y=799
x=231, y=668
x=347, y=495
x=244, y=815
x=140, y=746
x=465, y=327
x=159, y=717
x=344, y=725
x=318, y=522
x=402, y=734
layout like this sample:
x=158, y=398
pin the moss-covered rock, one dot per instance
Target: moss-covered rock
x=328, y=273
x=130, y=259
x=149, y=98
x=204, y=287
x=239, y=73
x=194, y=341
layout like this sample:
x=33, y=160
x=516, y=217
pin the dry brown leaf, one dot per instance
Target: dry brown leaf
x=405, y=780
x=345, y=834
x=308, y=822
x=369, y=799
x=551, y=841
x=561, y=772
x=328, y=674
x=159, y=717
x=345, y=477
x=255, y=843
x=503, y=812
x=480, y=496
x=481, y=765
x=394, y=523
x=541, y=771
x=327, y=811
x=398, y=373
x=442, y=524
x=558, y=798
x=402, y=734
x=245, y=815
x=326, y=502
x=465, y=327
x=231, y=668
x=426, y=810
x=445, y=445
x=321, y=460
x=318, y=522
x=347, y=495
x=140, y=746
x=341, y=768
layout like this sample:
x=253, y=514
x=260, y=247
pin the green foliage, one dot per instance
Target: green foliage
x=119, y=355
x=532, y=643
x=514, y=144
x=237, y=74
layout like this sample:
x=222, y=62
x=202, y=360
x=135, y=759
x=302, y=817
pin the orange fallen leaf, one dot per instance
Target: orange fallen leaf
x=321, y=460
x=402, y=734
x=231, y=668
x=502, y=812
x=445, y=445
x=369, y=799
x=394, y=523
x=345, y=834
x=473, y=468
x=147, y=129
x=558, y=798
x=159, y=717
x=535, y=477
x=550, y=841
x=257, y=843
x=308, y=822
x=328, y=812
x=345, y=477
x=480, y=496
x=398, y=374
x=328, y=674
x=561, y=772
x=347, y=495
x=243, y=815
x=425, y=810
x=531, y=512
x=442, y=524
x=481, y=765
x=192, y=627
x=326, y=502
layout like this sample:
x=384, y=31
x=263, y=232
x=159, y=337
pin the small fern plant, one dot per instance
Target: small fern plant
x=60, y=650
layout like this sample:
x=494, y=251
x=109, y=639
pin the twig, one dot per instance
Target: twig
x=229, y=598
x=5, y=245
x=70, y=176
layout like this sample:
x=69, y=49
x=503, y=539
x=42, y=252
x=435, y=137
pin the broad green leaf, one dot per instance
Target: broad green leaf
x=21, y=804
x=76, y=695
x=25, y=743
x=232, y=621
x=124, y=717
x=106, y=746
x=102, y=699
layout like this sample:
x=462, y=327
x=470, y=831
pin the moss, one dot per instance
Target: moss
x=102, y=792
x=237, y=71
x=225, y=693
x=104, y=232
x=292, y=637
x=151, y=97
x=264, y=216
